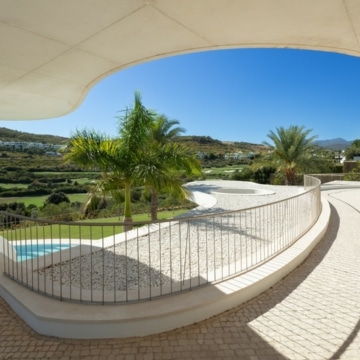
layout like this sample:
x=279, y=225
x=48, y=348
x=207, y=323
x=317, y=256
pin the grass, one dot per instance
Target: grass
x=78, y=230
x=39, y=200
x=67, y=174
x=13, y=186
x=82, y=181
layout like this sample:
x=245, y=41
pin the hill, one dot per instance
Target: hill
x=334, y=144
x=8, y=135
x=196, y=143
x=209, y=145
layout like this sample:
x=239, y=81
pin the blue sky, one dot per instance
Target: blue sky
x=230, y=95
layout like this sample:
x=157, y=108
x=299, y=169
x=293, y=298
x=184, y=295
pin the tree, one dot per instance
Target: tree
x=143, y=154
x=292, y=150
x=164, y=158
x=117, y=158
x=353, y=150
x=165, y=130
x=134, y=128
x=159, y=170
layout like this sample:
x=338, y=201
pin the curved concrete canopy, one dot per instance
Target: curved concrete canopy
x=52, y=52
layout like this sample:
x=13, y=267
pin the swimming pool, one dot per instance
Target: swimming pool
x=30, y=251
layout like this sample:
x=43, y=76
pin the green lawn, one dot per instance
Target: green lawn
x=66, y=174
x=78, y=230
x=82, y=181
x=39, y=200
x=12, y=186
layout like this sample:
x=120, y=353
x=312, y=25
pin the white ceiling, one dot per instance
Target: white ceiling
x=53, y=51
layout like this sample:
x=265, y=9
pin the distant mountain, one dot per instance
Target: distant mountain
x=8, y=135
x=334, y=144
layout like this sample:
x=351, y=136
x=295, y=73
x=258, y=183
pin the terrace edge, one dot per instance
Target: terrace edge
x=80, y=321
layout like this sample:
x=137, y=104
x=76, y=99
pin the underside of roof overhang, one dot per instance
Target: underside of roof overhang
x=52, y=52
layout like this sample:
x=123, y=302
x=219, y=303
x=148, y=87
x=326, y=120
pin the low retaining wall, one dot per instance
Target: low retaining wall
x=325, y=178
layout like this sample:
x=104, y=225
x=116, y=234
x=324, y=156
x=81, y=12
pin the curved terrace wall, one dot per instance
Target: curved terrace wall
x=74, y=320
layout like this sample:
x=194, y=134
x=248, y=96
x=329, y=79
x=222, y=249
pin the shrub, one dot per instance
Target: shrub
x=354, y=174
x=56, y=198
x=95, y=205
x=60, y=212
x=262, y=174
x=246, y=174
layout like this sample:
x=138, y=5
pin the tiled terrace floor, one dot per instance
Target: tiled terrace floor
x=314, y=313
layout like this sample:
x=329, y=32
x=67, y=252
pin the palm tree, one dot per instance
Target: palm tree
x=165, y=158
x=165, y=130
x=144, y=154
x=292, y=149
x=159, y=170
x=134, y=128
x=117, y=158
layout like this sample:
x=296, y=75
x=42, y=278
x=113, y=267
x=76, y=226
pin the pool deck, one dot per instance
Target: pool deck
x=313, y=313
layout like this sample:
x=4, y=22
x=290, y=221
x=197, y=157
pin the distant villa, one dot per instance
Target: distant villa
x=22, y=145
x=239, y=155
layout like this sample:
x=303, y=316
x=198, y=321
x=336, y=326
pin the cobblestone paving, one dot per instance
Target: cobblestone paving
x=314, y=313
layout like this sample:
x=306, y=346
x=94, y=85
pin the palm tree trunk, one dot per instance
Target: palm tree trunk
x=127, y=212
x=154, y=204
x=290, y=176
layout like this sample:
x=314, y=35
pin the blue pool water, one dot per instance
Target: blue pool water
x=26, y=252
